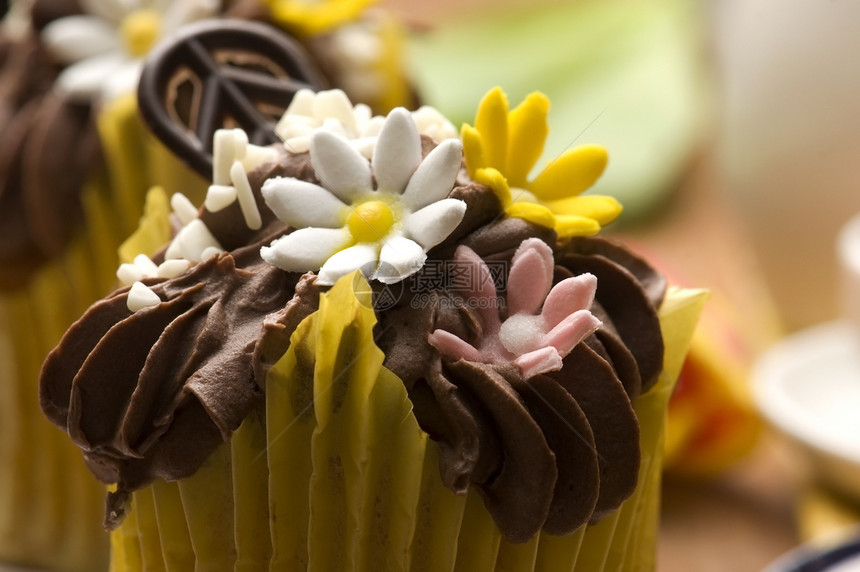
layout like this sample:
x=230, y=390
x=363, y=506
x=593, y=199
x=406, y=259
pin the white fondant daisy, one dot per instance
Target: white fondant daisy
x=332, y=111
x=104, y=47
x=379, y=216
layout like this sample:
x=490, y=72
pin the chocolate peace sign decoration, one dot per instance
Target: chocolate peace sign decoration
x=221, y=73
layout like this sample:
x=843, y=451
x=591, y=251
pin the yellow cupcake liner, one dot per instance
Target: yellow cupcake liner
x=51, y=507
x=333, y=473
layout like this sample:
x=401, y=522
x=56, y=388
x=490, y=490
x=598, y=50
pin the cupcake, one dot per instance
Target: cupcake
x=75, y=164
x=376, y=344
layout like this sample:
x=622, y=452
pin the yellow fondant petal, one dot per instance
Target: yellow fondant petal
x=473, y=149
x=496, y=181
x=601, y=208
x=153, y=230
x=573, y=225
x=491, y=122
x=314, y=18
x=572, y=172
x=532, y=212
x=527, y=133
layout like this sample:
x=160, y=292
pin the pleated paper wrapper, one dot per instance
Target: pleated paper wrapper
x=333, y=473
x=51, y=507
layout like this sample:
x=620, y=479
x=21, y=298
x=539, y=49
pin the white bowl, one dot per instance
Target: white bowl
x=808, y=387
x=843, y=557
x=848, y=250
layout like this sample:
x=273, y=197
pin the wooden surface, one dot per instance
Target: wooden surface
x=740, y=521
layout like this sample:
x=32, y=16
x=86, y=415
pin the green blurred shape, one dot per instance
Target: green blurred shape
x=626, y=74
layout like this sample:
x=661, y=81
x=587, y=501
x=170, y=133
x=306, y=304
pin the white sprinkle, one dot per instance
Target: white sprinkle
x=299, y=112
x=209, y=252
x=365, y=146
x=439, y=133
x=363, y=115
x=298, y=145
x=192, y=240
x=425, y=116
x=335, y=126
x=335, y=104
x=430, y=121
x=183, y=207
x=146, y=265
x=302, y=103
x=332, y=111
x=174, y=250
x=222, y=156
x=256, y=156
x=140, y=297
x=219, y=197
x=172, y=268
x=142, y=267
x=301, y=121
x=128, y=274
x=372, y=127
x=240, y=143
x=286, y=128
x=245, y=196
x=293, y=130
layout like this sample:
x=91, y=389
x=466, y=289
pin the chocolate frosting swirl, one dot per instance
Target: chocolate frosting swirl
x=49, y=147
x=547, y=453
x=590, y=433
x=192, y=366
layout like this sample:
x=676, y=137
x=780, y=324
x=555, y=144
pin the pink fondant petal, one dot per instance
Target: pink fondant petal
x=568, y=296
x=453, y=347
x=539, y=361
x=530, y=277
x=570, y=331
x=475, y=282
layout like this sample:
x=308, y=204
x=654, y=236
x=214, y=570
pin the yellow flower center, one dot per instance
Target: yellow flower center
x=370, y=221
x=140, y=30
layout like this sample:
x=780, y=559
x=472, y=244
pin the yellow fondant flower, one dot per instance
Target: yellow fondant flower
x=313, y=17
x=502, y=149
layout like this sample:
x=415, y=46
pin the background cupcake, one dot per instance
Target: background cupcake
x=75, y=164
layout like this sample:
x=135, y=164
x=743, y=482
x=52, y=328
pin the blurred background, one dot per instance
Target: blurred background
x=733, y=131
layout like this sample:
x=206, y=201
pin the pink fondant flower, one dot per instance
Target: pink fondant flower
x=544, y=322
